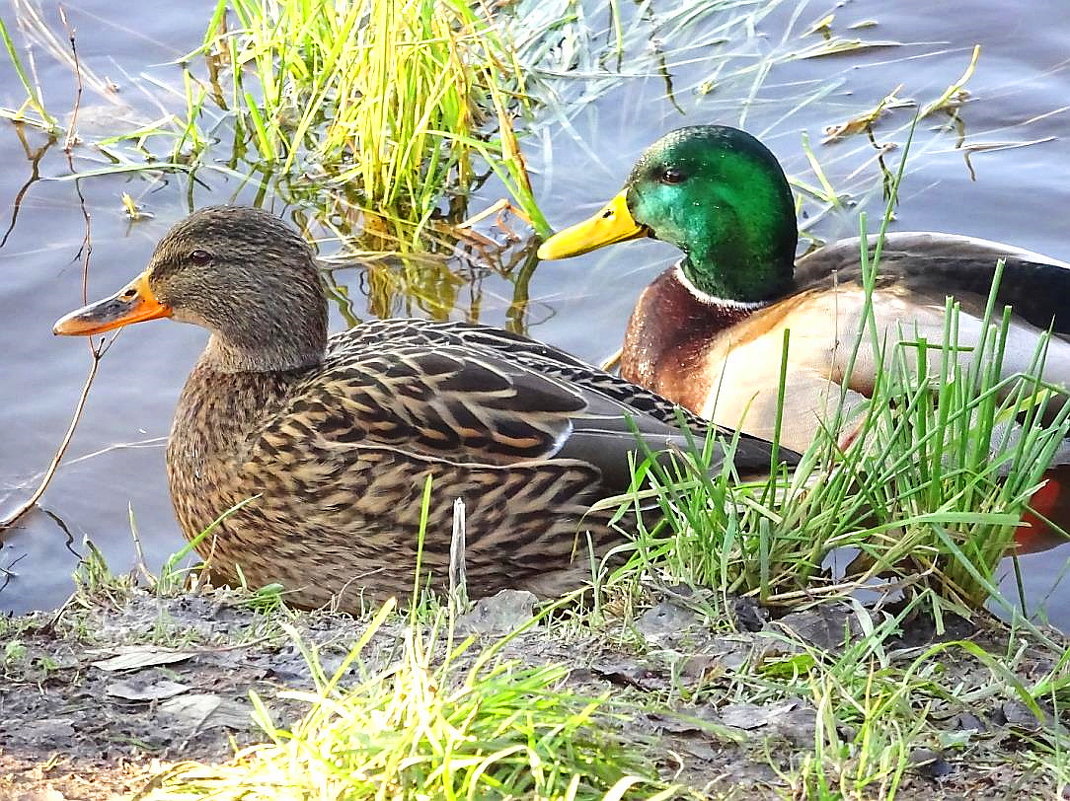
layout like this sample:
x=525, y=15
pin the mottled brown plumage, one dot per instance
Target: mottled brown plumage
x=328, y=441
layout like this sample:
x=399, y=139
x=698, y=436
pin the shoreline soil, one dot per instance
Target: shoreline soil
x=103, y=698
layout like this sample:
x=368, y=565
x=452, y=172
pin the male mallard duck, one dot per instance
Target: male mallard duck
x=333, y=437
x=708, y=333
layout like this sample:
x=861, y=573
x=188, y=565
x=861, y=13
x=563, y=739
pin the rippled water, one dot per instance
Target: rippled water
x=114, y=473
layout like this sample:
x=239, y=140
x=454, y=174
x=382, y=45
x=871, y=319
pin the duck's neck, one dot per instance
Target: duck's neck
x=672, y=326
x=255, y=332
x=709, y=300
x=739, y=269
x=218, y=410
x=294, y=352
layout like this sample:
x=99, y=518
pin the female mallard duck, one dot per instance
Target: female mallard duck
x=332, y=438
x=708, y=333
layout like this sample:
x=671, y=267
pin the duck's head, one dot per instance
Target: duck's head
x=719, y=195
x=240, y=272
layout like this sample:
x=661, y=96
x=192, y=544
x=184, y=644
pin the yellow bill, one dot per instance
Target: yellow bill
x=614, y=223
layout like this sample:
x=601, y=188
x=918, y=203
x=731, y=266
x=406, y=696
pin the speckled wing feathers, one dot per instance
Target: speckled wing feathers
x=442, y=402
x=612, y=405
x=530, y=353
x=476, y=406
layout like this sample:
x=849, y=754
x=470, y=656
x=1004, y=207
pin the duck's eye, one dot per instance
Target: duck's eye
x=200, y=257
x=671, y=175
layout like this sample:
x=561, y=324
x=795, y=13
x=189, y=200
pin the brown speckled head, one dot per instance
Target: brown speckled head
x=240, y=272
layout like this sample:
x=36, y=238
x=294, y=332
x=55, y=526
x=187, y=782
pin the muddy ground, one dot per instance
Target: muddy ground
x=98, y=700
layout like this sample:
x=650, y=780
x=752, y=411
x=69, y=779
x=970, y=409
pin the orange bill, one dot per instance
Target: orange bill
x=131, y=304
x=613, y=223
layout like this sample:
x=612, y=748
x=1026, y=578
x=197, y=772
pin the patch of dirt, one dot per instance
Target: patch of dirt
x=98, y=701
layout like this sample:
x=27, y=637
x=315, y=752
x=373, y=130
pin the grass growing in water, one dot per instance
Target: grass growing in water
x=275, y=107
x=391, y=97
x=33, y=102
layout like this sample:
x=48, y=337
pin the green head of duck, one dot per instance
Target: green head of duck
x=719, y=195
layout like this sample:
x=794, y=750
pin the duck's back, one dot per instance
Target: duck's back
x=498, y=343
x=732, y=376
x=935, y=265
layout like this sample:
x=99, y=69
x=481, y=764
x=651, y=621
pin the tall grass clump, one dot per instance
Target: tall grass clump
x=425, y=725
x=393, y=104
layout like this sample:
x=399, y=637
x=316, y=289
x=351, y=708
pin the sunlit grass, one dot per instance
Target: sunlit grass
x=388, y=112
x=427, y=726
x=397, y=101
x=432, y=718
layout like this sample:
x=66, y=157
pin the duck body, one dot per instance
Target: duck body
x=723, y=360
x=338, y=455
x=310, y=453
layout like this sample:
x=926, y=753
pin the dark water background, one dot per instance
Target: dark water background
x=114, y=469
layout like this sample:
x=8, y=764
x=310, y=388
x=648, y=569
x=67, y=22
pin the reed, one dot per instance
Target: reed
x=396, y=107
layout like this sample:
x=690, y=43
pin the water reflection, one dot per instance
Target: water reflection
x=33, y=156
